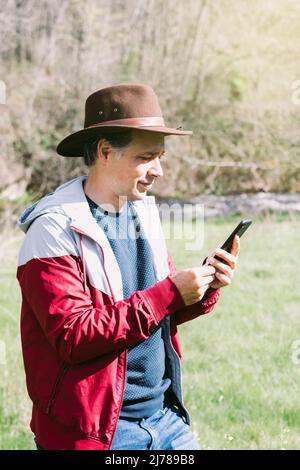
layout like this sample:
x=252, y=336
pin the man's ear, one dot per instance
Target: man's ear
x=103, y=150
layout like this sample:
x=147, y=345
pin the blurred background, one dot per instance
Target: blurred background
x=228, y=70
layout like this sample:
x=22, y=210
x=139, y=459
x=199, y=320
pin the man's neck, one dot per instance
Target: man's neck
x=94, y=190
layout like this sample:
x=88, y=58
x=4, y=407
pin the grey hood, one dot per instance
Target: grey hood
x=60, y=201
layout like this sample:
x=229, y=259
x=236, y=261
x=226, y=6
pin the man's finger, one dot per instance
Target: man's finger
x=208, y=280
x=225, y=255
x=205, y=270
x=224, y=267
x=223, y=278
x=235, y=245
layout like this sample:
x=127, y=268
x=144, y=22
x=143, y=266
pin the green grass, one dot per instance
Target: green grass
x=239, y=381
x=240, y=384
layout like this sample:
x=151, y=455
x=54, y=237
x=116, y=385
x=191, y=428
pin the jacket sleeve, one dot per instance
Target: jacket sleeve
x=204, y=306
x=53, y=287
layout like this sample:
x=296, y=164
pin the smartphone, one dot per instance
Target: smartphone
x=239, y=230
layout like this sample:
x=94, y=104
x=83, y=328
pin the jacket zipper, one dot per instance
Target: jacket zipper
x=180, y=373
x=55, y=389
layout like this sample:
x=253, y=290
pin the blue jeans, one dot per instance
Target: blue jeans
x=165, y=430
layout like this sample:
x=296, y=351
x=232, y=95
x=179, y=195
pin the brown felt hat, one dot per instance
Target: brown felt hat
x=124, y=106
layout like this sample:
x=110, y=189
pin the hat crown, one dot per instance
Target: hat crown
x=121, y=101
x=114, y=109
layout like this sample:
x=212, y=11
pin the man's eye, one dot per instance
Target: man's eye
x=152, y=158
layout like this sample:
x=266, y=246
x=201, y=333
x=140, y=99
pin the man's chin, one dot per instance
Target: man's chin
x=137, y=196
x=132, y=197
x=140, y=192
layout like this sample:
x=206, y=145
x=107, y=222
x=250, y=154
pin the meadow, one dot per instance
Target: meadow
x=240, y=382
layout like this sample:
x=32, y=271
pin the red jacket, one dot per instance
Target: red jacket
x=75, y=325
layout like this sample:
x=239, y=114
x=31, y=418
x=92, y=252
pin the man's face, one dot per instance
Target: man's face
x=135, y=172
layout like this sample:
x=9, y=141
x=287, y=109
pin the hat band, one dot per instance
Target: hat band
x=135, y=122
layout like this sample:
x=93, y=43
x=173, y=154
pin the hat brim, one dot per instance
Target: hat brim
x=73, y=144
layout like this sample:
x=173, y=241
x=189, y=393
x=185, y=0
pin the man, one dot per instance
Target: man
x=101, y=298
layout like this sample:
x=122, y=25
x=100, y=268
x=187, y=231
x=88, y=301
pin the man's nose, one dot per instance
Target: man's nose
x=156, y=168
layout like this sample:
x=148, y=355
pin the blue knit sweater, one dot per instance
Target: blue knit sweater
x=146, y=378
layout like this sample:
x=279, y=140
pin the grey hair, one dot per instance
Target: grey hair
x=118, y=140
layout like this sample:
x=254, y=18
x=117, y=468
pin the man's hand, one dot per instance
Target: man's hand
x=224, y=271
x=193, y=283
